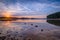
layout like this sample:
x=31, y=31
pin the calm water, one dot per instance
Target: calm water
x=30, y=30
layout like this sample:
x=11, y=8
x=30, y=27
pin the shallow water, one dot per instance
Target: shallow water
x=29, y=30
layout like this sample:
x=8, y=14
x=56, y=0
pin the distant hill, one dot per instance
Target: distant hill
x=14, y=18
x=54, y=15
x=7, y=19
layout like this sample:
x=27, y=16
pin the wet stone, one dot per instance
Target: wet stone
x=9, y=31
x=21, y=36
x=8, y=35
x=16, y=32
x=58, y=36
x=2, y=38
x=31, y=24
x=24, y=23
x=11, y=38
x=36, y=26
x=41, y=29
x=0, y=33
x=29, y=39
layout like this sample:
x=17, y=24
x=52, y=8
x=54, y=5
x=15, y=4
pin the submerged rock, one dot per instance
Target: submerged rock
x=41, y=29
x=36, y=25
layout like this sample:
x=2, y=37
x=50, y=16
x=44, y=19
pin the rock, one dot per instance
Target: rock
x=36, y=25
x=41, y=29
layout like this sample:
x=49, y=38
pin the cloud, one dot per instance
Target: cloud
x=28, y=1
x=13, y=7
x=41, y=6
x=30, y=8
x=2, y=6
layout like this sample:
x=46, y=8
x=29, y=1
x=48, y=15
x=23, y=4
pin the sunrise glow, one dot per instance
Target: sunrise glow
x=7, y=14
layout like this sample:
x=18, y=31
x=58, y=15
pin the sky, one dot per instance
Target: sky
x=29, y=7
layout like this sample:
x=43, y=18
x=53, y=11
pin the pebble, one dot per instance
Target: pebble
x=41, y=29
x=36, y=26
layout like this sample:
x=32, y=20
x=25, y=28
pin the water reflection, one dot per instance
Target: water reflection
x=36, y=21
x=54, y=22
x=28, y=30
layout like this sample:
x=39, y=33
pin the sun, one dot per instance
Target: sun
x=7, y=14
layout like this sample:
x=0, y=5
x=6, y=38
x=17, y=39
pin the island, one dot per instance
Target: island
x=54, y=16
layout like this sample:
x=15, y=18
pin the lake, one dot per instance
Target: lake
x=37, y=29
